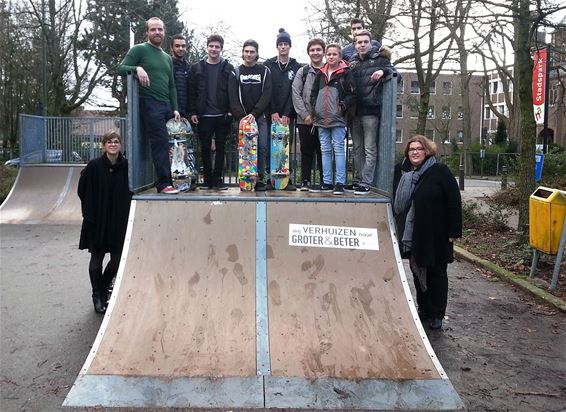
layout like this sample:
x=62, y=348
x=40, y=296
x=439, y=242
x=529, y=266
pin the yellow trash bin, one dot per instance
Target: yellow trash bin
x=547, y=208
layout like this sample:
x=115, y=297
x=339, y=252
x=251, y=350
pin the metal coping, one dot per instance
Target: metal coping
x=262, y=197
x=259, y=392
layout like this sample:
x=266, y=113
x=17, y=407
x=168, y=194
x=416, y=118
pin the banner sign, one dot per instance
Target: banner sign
x=539, y=84
x=340, y=237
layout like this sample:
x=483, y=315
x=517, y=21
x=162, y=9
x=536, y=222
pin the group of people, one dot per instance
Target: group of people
x=339, y=89
x=335, y=90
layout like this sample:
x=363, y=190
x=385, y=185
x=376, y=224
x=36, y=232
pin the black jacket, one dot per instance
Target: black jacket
x=281, y=80
x=105, y=203
x=181, y=75
x=438, y=214
x=369, y=93
x=198, y=87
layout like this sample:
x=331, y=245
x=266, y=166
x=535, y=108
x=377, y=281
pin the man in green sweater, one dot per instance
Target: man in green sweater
x=158, y=97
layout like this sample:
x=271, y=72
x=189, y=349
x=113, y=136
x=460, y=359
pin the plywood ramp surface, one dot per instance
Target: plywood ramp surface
x=44, y=194
x=339, y=313
x=186, y=304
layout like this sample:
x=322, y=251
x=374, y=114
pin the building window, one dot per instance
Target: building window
x=399, y=111
x=460, y=135
x=446, y=138
x=487, y=113
x=446, y=112
x=415, y=88
x=432, y=89
x=399, y=136
x=501, y=109
x=446, y=88
x=400, y=86
x=460, y=112
x=429, y=133
x=494, y=87
x=430, y=113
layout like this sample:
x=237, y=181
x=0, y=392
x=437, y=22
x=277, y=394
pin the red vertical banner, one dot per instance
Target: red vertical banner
x=539, y=84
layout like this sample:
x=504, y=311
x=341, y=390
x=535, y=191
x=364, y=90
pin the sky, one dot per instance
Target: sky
x=255, y=19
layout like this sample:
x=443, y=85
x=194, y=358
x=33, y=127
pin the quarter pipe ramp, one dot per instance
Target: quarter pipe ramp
x=258, y=302
x=44, y=194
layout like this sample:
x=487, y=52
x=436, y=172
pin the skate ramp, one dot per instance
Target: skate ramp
x=44, y=194
x=262, y=303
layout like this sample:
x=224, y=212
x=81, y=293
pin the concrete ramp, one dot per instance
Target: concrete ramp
x=44, y=194
x=257, y=302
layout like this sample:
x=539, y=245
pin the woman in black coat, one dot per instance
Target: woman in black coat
x=428, y=217
x=105, y=202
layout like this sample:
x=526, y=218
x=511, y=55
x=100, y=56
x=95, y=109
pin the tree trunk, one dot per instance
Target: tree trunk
x=527, y=131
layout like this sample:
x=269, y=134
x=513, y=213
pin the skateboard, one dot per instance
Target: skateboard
x=247, y=153
x=182, y=155
x=279, y=156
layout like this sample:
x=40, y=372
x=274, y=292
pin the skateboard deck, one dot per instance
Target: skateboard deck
x=182, y=155
x=247, y=153
x=279, y=156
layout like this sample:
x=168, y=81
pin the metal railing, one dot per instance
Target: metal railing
x=490, y=164
x=64, y=139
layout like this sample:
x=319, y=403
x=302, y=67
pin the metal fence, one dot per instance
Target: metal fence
x=64, y=139
x=490, y=164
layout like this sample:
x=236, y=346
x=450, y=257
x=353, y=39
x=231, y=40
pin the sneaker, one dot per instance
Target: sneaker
x=361, y=190
x=220, y=185
x=323, y=187
x=291, y=187
x=206, y=186
x=305, y=186
x=338, y=189
x=260, y=187
x=436, y=323
x=351, y=188
x=169, y=190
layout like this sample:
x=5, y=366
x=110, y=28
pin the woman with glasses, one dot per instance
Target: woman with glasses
x=105, y=202
x=428, y=217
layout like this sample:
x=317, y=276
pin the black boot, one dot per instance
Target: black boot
x=99, y=301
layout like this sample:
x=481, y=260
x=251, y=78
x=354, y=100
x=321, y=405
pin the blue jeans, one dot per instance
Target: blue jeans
x=332, y=138
x=364, y=135
x=154, y=114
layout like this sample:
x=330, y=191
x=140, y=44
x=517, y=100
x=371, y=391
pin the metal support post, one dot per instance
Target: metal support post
x=503, y=177
x=461, y=180
x=559, y=257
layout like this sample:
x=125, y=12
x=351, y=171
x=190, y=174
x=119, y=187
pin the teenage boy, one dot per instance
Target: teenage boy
x=180, y=72
x=158, y=97
x=250, y=94
x=283, y=70
x=367, y=67
x=209, y=107
x=301, y=92
x=349, y=51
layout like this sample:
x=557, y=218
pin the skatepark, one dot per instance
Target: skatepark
x=230, y=300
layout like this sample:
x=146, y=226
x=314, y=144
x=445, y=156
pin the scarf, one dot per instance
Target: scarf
x=404, y=201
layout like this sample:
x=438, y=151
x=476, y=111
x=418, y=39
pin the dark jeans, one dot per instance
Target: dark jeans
x=99, y=280
x=154, y=115
x=310, y=147
x=432, y=303
x=219, y=127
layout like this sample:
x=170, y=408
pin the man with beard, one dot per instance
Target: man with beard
x=158, y=97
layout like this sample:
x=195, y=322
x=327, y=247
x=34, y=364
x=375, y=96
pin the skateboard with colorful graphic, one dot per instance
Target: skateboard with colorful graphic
x=247, y=153
x=182, y=155
x=279, y=155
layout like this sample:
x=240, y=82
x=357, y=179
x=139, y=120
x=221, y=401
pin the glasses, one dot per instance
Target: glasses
x=416, y=149
x=114, y=142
